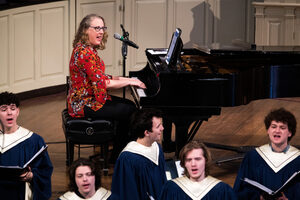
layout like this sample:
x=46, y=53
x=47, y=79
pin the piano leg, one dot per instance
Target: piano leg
x=181, y=134
x=194, y=130
x=167, y=143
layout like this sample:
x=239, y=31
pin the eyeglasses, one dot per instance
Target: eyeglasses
x=99, y=28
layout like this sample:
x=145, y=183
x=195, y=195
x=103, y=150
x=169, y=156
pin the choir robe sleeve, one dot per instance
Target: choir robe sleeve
x=242, y=189
x=136, y=177
x=42, y=170
x=222, y=191
x=255, y=168
x=40, y=167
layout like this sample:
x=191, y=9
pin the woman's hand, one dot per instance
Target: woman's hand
x=27, y=176
x=137, y=83
x=119, y=82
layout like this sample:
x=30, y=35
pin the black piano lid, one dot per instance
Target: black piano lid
x=232, y=50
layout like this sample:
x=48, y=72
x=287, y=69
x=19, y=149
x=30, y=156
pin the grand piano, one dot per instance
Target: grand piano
x=202, y=81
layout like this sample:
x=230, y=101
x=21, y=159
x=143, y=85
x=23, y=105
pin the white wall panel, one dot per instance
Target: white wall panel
x=190, y=17
x=297, y=26
x=23, y=40
x=150, y=27
x=4, y=52
x=277, y=25
x=52, y=41
x=274, y=32
x=230, y=21
x=107, y=11
x=35, y=41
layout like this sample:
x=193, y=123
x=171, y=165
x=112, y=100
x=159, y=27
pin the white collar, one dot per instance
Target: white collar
x=8, y=141
x=275, y=160
x=152, y=153
x=196, y=190
x=101, y=194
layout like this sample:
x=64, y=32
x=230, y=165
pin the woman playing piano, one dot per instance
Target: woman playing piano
x=88, y=86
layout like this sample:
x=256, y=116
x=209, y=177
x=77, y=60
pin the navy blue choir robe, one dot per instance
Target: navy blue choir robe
x=270, y=169
x=183, y=188
x=139, y=173
x=16, y=150
x=101, y=194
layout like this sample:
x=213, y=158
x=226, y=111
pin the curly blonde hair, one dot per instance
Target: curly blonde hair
x=82, y=36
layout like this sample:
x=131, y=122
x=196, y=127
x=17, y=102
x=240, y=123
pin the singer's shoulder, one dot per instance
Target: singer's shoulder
x=81, y=48
x=36, y=139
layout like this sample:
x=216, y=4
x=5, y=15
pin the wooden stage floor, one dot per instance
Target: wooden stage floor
x=240, y=125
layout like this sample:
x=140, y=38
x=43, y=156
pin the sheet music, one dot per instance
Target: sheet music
x=157, y=52
x=14, y=172
x=37, y=153
x=180, y=170
x=267, y=190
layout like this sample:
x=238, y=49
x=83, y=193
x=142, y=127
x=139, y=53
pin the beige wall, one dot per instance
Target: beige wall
x=34, y=46
x=36, y=41
x=278, y=24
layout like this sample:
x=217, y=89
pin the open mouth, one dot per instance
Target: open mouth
x=277, y=136
x=9, y=120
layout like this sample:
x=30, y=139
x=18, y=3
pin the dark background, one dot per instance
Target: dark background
x=8, y=4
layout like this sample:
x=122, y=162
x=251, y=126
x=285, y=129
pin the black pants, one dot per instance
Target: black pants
x=118, y=109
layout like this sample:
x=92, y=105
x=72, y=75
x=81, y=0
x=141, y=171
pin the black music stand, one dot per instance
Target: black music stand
x=124, y=53
x=125, y=40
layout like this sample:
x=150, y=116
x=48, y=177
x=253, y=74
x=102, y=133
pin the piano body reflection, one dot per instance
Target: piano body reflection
x=203, y=81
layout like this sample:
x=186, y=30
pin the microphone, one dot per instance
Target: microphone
x=130, y=43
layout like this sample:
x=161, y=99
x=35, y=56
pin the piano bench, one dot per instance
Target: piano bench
x=87, y=131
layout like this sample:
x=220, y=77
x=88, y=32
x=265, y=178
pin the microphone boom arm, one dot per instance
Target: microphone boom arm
x=125, y=33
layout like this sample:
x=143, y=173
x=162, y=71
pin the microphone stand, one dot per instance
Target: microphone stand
x=124, y=54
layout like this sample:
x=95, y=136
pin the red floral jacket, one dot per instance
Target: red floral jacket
x=87, y=86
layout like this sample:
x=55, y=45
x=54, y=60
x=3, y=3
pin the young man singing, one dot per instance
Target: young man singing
x=139, y=172
x=272, y=164
x=17, y=146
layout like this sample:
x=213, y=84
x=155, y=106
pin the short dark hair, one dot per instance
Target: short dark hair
x=141, y=121
x=284, y=116
x=83, y=162
x=7, y=98
x=195, y=144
